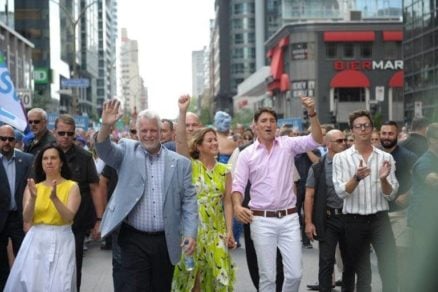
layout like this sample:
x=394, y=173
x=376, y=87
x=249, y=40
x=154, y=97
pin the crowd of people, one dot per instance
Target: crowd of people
x=168, y=192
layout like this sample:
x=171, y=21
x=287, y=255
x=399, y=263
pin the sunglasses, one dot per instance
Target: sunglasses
x=133, y=131
x=4, y=139
x=63, y=133
x=339, y=141
x=364, y=126
x=36, y=122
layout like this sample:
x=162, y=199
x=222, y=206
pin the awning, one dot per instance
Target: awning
x=392, y=36
x=349, y=36
x=349, y=79
x=397, y=80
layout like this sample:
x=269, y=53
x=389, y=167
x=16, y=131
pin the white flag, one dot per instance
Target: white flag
x=11, y=111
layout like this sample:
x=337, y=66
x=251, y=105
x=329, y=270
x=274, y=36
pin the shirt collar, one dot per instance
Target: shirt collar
x=12, y=157
x=154, y=156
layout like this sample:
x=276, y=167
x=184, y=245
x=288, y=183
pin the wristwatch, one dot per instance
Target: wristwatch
x=357, y=178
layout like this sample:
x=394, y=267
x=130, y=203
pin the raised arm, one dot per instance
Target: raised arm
x=316, y=132
x=110, y=115
x=182, y=146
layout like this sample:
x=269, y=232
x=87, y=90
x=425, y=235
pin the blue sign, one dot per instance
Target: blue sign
x=77, y=83
x=80, y=121
x=294, y=122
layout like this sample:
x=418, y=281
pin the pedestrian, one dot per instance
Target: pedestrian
x=37, y=119
x=213, y=269
x=84, y=172
x=416, y=140
x=364, y=177
x=153, y=204
x=422, y=215
x=15, y=168
x=324, y=219
x=45, y=261
x=404, y=160
x=168, y=134
x=268, y=164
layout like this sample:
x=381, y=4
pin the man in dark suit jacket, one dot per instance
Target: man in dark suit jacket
x=38, y=121
x=15, y=168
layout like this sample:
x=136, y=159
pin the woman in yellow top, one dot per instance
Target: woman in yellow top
x=213, y=267
x=46, y=259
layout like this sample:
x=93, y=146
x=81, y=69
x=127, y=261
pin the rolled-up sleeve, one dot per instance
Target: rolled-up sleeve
x=339, y=181
x=241, y=173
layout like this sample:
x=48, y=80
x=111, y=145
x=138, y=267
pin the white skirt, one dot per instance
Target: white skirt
x=46, y=261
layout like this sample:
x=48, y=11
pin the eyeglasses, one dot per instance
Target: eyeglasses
x=36, y=122
x=4, y=139
x=339, y=141
x=64, y=133
x=364, y=126
x=133, y=131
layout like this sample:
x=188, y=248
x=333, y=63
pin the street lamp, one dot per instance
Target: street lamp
x=73, y=26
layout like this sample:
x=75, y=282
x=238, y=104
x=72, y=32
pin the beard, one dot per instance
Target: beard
x=387, y=143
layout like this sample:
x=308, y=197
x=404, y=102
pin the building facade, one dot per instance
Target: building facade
x=420, y=49
x=344, y=65
x=17, y=52
x=132, y=91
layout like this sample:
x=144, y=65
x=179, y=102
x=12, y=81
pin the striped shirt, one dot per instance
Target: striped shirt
x=368, y=197
x=147, y=215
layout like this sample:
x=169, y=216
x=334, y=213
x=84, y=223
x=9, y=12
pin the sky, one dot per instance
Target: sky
x=167, y=32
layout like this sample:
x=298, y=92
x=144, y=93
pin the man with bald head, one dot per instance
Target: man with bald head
x=192, y=123
x=15, y=168
x=37, y=119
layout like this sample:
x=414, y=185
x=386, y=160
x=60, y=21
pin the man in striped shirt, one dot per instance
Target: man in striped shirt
x=364, y=176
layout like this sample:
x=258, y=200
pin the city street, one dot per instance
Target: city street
x=96, y=272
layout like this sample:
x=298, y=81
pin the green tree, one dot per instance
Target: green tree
x=243, y=116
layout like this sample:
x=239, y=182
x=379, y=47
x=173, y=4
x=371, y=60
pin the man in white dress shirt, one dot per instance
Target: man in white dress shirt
x=364, y=176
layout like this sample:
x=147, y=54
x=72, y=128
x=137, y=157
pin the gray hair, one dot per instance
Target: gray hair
x=39, y=111
x=148, y=115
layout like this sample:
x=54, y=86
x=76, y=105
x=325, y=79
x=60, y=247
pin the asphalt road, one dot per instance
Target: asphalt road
x=97, y=269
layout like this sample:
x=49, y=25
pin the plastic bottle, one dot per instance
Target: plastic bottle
x=188, y=260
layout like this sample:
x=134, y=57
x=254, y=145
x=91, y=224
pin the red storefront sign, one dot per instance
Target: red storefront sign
x=368, y=65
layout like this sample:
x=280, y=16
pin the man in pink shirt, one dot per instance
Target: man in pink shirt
x=268, y=164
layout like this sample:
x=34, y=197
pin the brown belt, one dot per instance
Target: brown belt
x=277, y=214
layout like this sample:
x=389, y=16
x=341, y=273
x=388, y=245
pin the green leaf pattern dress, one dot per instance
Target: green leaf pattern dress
x=212, y=259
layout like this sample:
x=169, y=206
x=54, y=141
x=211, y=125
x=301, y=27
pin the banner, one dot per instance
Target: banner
x=11, y=111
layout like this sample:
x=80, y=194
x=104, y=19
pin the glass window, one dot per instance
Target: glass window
x=366, y=50
x=348, y=50
x=356, y=94
x=238, y=8
x=238, y=38
x=331, y=50
x=237, y=23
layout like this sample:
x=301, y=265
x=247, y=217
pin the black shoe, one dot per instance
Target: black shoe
x=338, y=283
x=307, y=245
x=314, y=287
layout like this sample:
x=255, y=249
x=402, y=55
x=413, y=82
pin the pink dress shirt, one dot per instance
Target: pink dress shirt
x=270, y=173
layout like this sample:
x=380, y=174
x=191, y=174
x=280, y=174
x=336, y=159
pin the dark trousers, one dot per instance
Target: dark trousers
x=12, y=229
x=251, y=260
x=117, y=261
x=301, y=193
x=375, y=229
x=334, y=234
x=146, y=264
x=79, y=243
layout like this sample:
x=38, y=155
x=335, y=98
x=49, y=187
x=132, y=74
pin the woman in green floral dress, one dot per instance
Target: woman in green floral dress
x=214, y=270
